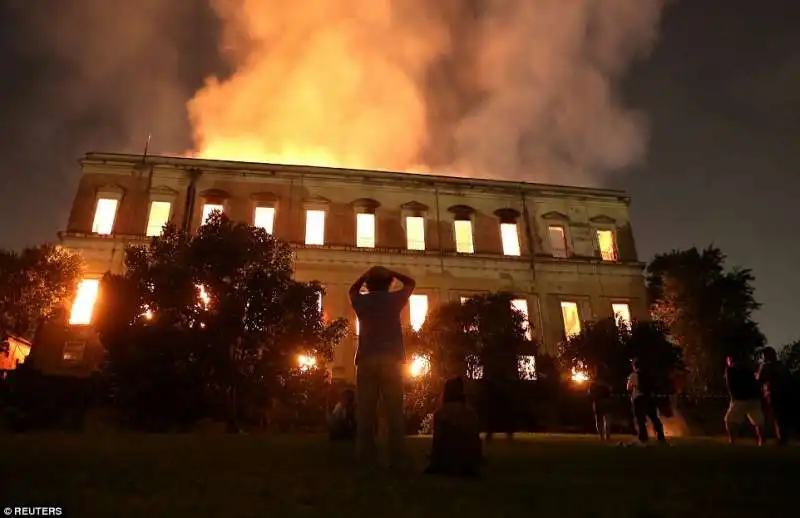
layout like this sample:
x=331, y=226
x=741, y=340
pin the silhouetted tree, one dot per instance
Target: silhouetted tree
x=707, y=311
x=483, y=336
x=607, y=347
x=33, y=284
x=790, y=356
x=209, y=324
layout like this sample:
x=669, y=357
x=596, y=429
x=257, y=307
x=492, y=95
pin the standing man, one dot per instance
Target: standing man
x=745, y=399
x=774, y=378
x=640, y=388
x=380, y=359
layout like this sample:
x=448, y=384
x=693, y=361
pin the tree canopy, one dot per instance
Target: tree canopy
x=605, y=348
x=33, y=284
x=210, y=324
x=707, y=310
x=483, y=337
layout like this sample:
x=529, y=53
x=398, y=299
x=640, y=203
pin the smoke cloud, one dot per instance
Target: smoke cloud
x=519, y=89
x=116, y=72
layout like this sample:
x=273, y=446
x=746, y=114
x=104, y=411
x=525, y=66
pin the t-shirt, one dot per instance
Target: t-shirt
x=380, y=329
x=742, y=383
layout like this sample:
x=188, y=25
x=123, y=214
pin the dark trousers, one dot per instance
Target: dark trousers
x=645, y=408
x=780, y=413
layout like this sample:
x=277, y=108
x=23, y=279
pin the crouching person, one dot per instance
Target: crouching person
x=456, y=446
x=342, y=426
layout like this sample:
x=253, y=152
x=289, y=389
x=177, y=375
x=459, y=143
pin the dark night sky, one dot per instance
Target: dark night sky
x=721, y=90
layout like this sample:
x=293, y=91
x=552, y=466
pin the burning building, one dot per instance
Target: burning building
x=566, y=252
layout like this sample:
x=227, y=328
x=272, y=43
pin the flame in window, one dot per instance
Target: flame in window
x=521, y=305
x=526, y=365
x=104, y=216
x=208, y=208
x=510, y=238
x=463, y=231
x=159, y=216
x=264, y=217
x=365, y=230
x=315, y=227
x=572, y=320
x=85, y=298
x=622, y=314
x=415, y=233
x=418, y=310
x=605, y=241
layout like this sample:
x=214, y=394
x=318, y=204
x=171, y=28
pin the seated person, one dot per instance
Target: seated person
x=456, y=434
x=343, y=418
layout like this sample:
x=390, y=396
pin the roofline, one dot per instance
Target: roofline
x=188, y=163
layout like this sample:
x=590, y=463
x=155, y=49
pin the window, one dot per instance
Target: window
x=159, y=216
x=474, y=367
x=510, y=238
x=104, y=216
x=463, y=231
x=463, y=299
x=558, y=241
x=365, y=230
x=606, y=244
x=572, y=319
x=83, y=306
x=526, y=366
x=264, y=217
x=521, y=305
x=73, y=351
x=622, y=314
x=418, y=310
x=208, y=208
x=415, y=232
x=315, y=227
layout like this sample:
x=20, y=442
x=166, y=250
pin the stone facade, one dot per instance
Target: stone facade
x=583, y=276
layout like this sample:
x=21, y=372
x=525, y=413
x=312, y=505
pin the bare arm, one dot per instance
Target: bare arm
x=408, y=283
x=355, y=289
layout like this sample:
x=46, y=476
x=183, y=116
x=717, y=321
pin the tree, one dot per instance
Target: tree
x=606, y=347
x=790, y=355
x=33, y=284
x=707, y=311
x=483, y=336
x=210, y=324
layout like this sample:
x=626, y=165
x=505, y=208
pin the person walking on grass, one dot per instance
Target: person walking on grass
x=745, y=399
x=640, y=388
x=380, y=359
x=600, y=395
x=775, y=381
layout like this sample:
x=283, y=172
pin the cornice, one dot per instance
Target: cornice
x=104, y=160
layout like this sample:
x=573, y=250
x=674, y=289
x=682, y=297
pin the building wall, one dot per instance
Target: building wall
x=441, y=273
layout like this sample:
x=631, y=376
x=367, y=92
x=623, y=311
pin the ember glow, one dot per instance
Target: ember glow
x=85, y=298
x=363, y=84
x=419, y=366
x=306, y=362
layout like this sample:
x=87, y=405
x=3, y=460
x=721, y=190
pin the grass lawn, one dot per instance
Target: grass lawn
x=261, y=476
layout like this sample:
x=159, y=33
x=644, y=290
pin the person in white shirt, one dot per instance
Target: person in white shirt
x=644, y=407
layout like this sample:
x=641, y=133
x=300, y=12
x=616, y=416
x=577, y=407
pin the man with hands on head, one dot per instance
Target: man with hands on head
x=380, y=359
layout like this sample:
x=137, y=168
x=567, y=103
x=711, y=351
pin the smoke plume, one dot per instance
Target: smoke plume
x=521, y=89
